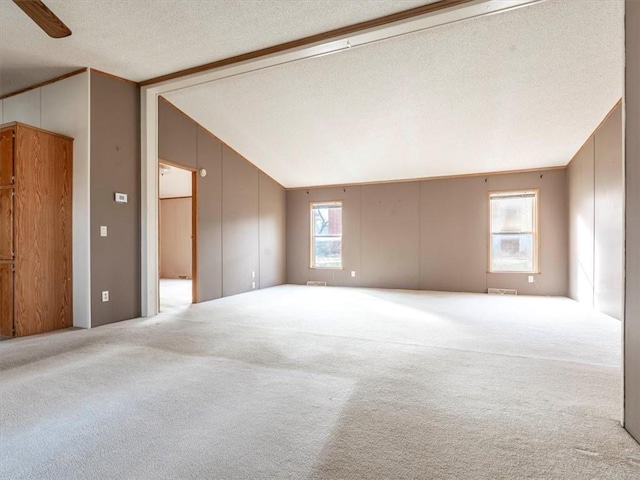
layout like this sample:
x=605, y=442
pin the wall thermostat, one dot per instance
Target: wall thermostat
x=121, y=197
x=203, y=172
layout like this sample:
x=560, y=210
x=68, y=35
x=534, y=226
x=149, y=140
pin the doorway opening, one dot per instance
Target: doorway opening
x=177, y=236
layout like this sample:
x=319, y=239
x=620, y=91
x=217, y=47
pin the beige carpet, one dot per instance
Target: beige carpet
x=323, y=383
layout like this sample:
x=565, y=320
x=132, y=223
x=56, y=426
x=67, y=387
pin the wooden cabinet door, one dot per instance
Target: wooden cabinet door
x=42, y=229
x=6, y=157
x=6, y=300
x=6, y=224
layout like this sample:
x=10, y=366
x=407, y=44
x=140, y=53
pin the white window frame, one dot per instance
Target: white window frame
x=312, y=243
x=535, y=249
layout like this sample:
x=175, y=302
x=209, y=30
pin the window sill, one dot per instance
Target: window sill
x=514, y=273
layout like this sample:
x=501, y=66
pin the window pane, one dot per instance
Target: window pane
x=512, y=252
x=512, y=214
x=326, y=239
x=327, y=220
x=328, y=252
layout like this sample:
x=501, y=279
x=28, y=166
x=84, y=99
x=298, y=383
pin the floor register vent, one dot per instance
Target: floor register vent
x=502, y=291
x=312, y=283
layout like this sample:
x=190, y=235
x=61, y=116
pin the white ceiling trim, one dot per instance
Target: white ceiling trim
x=475, y=9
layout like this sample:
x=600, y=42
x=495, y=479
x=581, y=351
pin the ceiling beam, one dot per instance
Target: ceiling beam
x=320, y=37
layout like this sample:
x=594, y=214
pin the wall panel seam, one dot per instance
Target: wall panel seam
x=221, y=220
x=593, y=252
x=257, y=279
x=420, y=236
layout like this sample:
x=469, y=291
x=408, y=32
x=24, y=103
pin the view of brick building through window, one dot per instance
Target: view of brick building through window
x=326, y=235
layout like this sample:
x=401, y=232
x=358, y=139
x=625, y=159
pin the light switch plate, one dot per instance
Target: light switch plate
x=121, y=197
x=103, y=231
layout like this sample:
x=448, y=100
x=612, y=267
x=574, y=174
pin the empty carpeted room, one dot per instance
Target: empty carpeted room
x=291, y=239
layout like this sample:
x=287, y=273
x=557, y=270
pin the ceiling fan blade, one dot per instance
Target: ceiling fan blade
x=45, y=18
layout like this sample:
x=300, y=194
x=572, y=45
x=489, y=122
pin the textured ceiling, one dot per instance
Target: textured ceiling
x=516, y=90
x=143, y=39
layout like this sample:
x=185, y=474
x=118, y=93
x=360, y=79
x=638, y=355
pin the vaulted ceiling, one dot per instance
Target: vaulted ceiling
x=515, y=90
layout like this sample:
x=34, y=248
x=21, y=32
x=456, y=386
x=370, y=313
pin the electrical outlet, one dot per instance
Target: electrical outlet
x=253, y=274
x=530, y=278
x=253, y=284
x=103, y=231
x=105, y=296
x=353, y=273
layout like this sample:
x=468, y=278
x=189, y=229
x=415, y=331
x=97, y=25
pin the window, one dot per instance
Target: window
x=326, y=235
x=513, y=231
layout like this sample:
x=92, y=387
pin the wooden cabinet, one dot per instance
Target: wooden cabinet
x=35, y=230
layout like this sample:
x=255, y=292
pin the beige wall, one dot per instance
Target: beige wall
x=430, y=235
x=241, y=211
x=632, y=165
x=175, y=238
x=596, y=235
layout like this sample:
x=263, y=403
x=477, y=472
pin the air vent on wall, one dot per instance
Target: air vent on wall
x=502, y=291
x=316, y=284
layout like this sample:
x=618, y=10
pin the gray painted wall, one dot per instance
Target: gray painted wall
x=299, y=235
x=553, y=279
x=454, y=209
x=209, y=157
x=431, y=234
x=388, y=210
x=580, y=181
x=632, y=309
x=273, y=205
x=608, y=263
x=241, y=211
x=115, y=167
x=454, y=212
x=596, y=231
x=240, y=224
x=177, y=136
